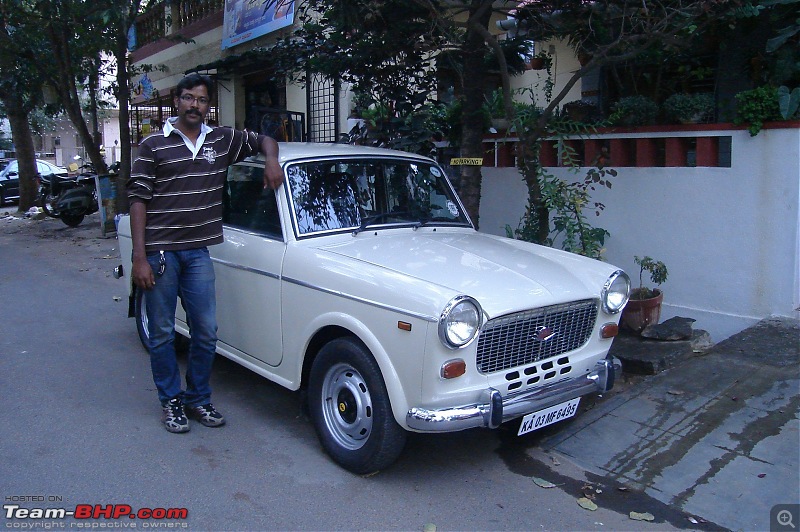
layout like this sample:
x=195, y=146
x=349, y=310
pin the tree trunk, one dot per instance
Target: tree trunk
x=123, y=98
x=26, y=154
x=64, y=83
x=473, y=117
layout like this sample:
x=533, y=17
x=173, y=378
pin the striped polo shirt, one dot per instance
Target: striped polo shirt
x=182, y=187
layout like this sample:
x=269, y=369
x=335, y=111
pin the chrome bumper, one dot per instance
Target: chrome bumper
x=494, y=409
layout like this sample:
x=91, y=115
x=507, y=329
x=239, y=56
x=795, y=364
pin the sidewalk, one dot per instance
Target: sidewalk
x=715, y=436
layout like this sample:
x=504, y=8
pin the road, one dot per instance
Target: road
x=82, y=427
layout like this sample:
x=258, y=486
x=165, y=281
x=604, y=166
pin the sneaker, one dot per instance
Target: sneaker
x=174, y=417
x=206, y=414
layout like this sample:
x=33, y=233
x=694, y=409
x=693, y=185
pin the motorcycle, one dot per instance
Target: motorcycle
x=70, y=198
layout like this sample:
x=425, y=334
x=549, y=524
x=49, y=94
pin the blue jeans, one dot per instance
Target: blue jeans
x=190, y=275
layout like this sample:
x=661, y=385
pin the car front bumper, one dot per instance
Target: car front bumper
x=493, y=409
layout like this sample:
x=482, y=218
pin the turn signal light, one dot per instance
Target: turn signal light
x=609, y=330
x=453, y=368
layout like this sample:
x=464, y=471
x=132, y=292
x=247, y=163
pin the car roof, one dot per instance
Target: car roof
x=297, y=151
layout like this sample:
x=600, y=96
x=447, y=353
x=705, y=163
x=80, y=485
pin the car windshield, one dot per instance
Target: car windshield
x=356, y=194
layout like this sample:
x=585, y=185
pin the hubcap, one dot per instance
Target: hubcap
x=347, y=406
x=143, y=314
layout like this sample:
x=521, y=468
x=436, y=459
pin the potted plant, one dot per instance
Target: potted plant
x=540, y=61
x=580, y=111
x=634, y=111
x=756, y=106
x=495, y=108
x=689, y=108
x=644, y=306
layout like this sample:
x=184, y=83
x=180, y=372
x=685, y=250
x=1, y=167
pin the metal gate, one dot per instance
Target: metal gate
x=323, y=108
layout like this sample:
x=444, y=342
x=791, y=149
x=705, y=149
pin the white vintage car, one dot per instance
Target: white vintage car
x=363, y=281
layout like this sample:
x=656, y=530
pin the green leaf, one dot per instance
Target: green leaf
x=643, y=516
x=586, y=504
x=542, y=483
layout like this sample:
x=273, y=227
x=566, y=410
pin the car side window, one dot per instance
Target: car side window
x=248, y=205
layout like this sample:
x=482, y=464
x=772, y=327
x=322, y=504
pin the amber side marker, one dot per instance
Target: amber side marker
x=403, y=326
x=453, y=368
x=609, y=330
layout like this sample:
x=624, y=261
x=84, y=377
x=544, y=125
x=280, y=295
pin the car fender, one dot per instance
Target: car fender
x=393, y=376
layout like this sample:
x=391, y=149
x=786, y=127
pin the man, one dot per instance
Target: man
x=175, y=194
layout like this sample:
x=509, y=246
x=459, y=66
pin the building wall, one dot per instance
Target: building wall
x=730, y=237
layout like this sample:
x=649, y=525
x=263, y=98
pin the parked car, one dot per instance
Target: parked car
x=9, y=178
x=362, y=281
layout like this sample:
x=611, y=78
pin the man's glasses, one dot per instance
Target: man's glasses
x=188, y=98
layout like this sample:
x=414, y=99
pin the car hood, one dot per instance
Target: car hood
x=504, y=275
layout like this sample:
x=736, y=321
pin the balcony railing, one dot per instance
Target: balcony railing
x=185, y=12
x=150, y=26
x=169, y=17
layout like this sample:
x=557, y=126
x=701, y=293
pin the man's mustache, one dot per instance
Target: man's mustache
x=193, y=112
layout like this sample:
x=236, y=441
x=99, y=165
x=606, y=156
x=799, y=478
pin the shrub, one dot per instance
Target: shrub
x=754, y=107
x=634, y=111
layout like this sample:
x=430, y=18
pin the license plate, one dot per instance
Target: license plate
x=548, y=416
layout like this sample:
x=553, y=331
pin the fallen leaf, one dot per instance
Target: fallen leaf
x=623, y=488
x=644, y=516
x=762, y=475
x=429, y=527
x=675, y=392
x=586, y=504
x=555, y=460
x=692, y=520
x=542, y=483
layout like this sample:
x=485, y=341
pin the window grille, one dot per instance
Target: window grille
x=322, y=109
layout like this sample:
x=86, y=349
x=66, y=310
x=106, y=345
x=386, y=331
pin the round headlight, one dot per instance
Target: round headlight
x=459, y=322
x=615, y=292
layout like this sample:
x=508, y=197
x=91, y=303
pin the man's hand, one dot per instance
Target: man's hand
x=273, y=174
x=142, y=273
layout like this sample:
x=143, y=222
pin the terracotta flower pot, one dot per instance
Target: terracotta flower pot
x=538, y=63
x=639, y=313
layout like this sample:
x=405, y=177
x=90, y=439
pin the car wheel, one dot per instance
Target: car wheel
x=72, y=220
x=350, y=408
x=140, y=314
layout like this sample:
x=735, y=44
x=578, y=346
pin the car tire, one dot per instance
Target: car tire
x=140, y=314
x=350, y=408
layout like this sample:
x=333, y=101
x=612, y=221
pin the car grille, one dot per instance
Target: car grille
x=521, y=338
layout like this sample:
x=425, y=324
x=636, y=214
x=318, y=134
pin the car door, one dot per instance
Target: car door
x=248, y=267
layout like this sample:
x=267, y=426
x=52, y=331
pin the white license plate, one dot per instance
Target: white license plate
x=548, y=416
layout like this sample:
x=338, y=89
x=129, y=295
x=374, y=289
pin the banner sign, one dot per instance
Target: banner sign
x=246, y=20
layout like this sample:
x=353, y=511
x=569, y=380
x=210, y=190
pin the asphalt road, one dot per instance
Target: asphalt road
x=81, y=427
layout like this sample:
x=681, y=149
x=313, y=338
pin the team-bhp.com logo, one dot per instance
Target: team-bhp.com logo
x=94, y=511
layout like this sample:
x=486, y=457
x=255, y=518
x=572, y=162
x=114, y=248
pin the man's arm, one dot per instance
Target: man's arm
x=273, y=174
x=142, y=273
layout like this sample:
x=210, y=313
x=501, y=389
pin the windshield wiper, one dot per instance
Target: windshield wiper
x=370, y=220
